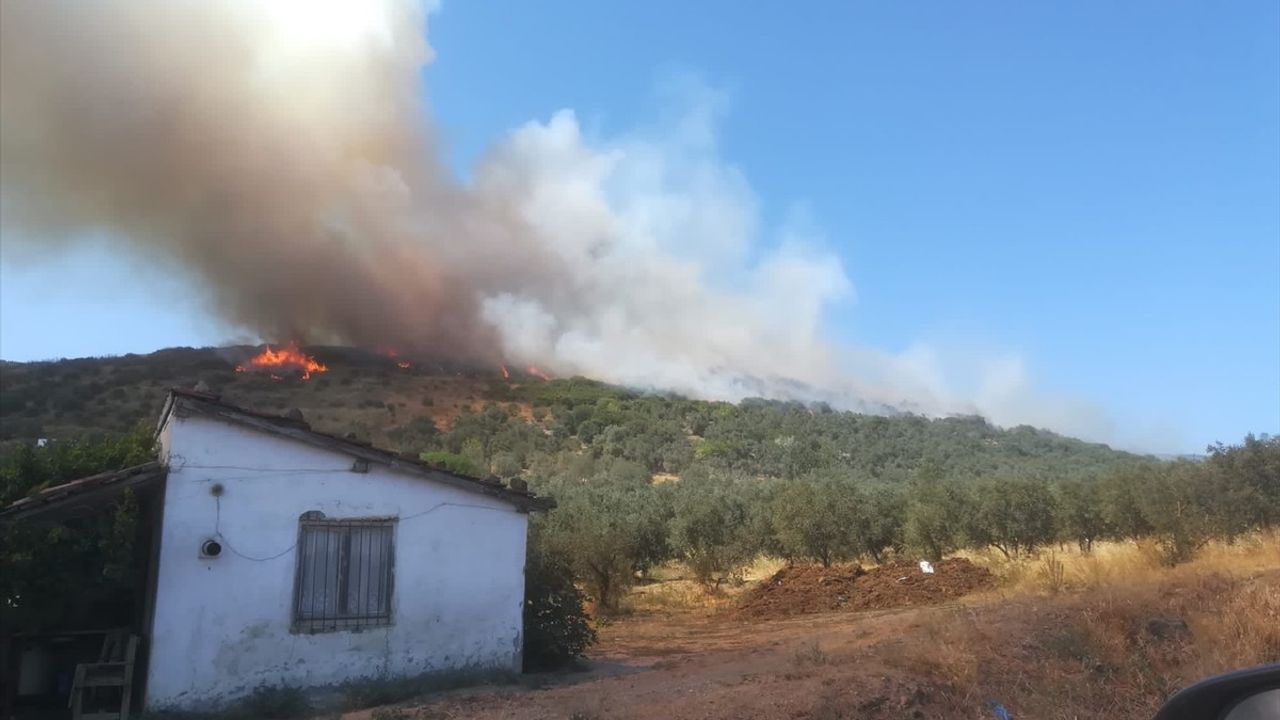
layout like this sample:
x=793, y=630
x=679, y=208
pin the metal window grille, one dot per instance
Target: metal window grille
x=345, y=573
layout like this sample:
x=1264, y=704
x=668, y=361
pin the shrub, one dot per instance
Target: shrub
x=505, y=465
x=556, y=629
x=453, y=462
x=417, y=434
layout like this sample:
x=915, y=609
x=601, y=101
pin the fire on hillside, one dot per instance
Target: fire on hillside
x=394, y=355
x=289, y=361
x=285, y=360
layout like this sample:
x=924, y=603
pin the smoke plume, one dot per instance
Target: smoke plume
x=282, y=154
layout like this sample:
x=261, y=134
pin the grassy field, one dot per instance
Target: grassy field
x=1113, y=564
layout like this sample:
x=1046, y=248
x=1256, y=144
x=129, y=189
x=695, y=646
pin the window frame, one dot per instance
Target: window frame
x=342, y=622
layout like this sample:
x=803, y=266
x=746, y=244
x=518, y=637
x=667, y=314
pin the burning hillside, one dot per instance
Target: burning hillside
x=288, y=359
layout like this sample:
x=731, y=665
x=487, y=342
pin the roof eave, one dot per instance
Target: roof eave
x=210, y=407
x=82, y=497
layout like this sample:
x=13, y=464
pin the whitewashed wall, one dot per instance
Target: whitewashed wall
x=222, y=626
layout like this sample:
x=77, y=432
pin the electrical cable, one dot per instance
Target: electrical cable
x=217, y=526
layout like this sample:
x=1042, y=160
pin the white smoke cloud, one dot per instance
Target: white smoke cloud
x=281, y=154
x=656, y=235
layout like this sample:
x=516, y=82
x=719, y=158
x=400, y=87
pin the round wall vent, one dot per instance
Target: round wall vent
x=210, y=548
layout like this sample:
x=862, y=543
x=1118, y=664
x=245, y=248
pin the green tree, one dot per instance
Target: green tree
x=505, y=464
x=26, y=468
x=1011, y=515
x=1246, y=485
x=1178, y=503
x=936, y=516
x=811, y=519
x=710, y=531
x=878, y=523
x=1122, y=491
x=1081, y=517
x=75, y=573
x=610, y=532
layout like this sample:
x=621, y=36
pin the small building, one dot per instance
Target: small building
x=284, y=556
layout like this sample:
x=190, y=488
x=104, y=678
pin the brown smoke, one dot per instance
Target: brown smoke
x=280, y=154
x=293, y=172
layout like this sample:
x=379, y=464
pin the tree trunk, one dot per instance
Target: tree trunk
x=604, y=584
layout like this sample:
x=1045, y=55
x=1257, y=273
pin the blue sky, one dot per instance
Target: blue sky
x=1094, y=188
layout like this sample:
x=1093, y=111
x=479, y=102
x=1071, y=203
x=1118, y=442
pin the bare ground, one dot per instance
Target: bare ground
x=1104, y=652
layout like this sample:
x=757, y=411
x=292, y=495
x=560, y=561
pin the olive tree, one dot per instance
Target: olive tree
x=710, y=531
x=812, y=518
x=1014, y=516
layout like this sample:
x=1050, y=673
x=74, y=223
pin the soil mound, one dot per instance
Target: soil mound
x=800, y=589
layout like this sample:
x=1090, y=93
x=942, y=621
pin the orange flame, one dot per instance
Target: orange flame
x=393, y=354
x=286, y=358
x=534, y=371
x=505, y=375
x=388, y=351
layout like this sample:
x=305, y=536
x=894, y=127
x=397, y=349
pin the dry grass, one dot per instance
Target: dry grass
x=673, y=589
x=810, y=654
x=1123, y=563
x=1245, y=628
x=1113, y=633
x=1052, y=571
x=1107, y=651
x=947, y=647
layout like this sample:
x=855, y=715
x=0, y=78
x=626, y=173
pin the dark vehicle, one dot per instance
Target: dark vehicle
x=1251, y=694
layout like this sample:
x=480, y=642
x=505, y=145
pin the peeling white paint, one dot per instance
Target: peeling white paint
x=222, y=625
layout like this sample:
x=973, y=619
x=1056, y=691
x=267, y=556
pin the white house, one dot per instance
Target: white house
x=284, y=556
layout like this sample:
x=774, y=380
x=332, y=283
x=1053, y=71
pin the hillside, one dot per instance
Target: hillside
x=362, y=392
x=414, y=405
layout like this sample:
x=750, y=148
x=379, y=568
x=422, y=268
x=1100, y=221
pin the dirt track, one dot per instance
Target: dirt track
x=1113, y=652
x=710, y=666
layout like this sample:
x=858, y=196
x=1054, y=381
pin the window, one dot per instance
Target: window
x=345, y=573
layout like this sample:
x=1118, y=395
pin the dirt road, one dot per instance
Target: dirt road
x=1107, y=652
x=707, y=666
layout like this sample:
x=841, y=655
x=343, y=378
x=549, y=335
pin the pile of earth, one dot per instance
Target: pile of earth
x=800, y=589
